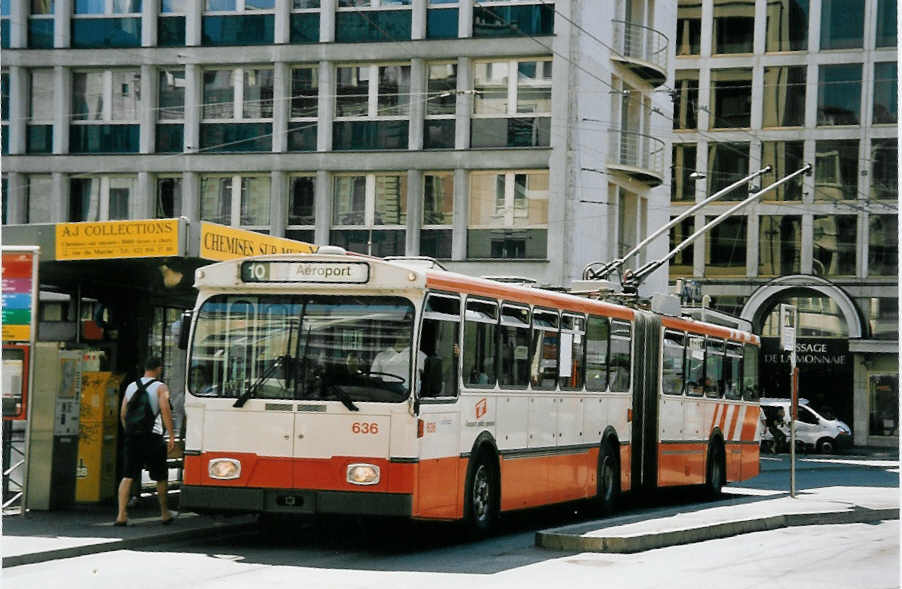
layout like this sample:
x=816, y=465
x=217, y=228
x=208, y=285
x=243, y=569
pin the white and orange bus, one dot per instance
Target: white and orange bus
x=335, y=383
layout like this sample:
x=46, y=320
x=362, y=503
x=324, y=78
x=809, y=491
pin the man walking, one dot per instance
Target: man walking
x=144, y=445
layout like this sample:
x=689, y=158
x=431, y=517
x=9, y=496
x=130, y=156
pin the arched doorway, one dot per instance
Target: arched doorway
x=827, y=320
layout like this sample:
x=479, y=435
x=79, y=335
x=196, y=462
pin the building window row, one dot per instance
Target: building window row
x=836, y=170
x=118, y=23
x=842, y=25
x=784, y=89
x=507, y=219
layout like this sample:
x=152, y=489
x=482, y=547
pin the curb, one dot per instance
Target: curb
x=556, y=540
x=123, y=544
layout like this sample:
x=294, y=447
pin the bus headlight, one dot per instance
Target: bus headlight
x=363, y=474
x=224, y=468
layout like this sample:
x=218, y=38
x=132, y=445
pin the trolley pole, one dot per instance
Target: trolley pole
x=788, y=322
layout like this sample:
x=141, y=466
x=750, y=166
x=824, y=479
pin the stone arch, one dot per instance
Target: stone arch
x=758, y=303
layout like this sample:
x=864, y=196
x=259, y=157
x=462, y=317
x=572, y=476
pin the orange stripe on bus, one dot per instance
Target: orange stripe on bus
x=750, y=425
x=733, y=422
x=723, y=416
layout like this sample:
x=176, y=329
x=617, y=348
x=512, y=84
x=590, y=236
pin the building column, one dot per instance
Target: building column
x=151, y=100
x=414, y=211
x=325, y=107
x=62, y=106
x=18, y=109
x=807, y=260
x=323, y=207
x=416, y=104
x=461, y=215
x=277, y=202
x=282, y=32
x=418, y=24
x=59, y=202
x=150, y=10
x=465, y=19
x=752, y=234
x=191, y=196
x=193, y=23
x=62, y=24
x=706, y=38
x=464, y=104
x=327, y=23
x=17, y=185
x=143, y=206
x=193, y=103
x=18, y=24
x=281, y=104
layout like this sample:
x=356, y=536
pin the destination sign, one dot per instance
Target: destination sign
x=310, y=272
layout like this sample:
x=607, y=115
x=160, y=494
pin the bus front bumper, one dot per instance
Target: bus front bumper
x=204, y=499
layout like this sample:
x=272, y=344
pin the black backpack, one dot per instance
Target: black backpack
x=139, y=415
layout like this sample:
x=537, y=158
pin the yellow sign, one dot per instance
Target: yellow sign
x=219, y=242
x=152, y=238
x=16, y=333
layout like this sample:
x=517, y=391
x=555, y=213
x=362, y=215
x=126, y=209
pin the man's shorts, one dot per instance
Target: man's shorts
x=145, y=451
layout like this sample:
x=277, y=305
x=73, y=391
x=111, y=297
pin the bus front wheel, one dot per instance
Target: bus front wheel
x=481, y=496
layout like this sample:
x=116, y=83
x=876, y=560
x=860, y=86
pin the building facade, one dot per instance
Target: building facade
x=501, y=137
x=784, y=83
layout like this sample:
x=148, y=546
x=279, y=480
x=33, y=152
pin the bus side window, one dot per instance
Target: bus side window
x=673, y=380
x=732, y=369
x=513, y=346
x=543, y=367
x=438, y=340
x=620, y=355
x=597, y=347
x=714, y=369
x=695, y=365
x=571, y=371
x=750, y=373
x=480, y=332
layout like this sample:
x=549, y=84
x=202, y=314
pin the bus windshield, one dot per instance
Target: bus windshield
x=347, y=348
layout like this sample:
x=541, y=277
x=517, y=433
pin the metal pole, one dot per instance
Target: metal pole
x=792, y=425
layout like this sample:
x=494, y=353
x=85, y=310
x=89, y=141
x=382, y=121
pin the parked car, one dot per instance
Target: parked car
x=813, y=429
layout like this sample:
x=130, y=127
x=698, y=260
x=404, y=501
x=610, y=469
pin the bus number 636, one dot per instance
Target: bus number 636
x=364, y=428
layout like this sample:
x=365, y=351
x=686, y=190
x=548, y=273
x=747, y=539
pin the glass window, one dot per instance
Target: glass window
x=883, y=402
x=534, y=86
x=681, y=263
x=513, y=341
x=734, y=26
x=4, y=97
x=839, y=94
x=836, y=170
x=685, y=103
x=387, y=194
x=394, y=90
x=835, y=240
x=172, y=95
x=732, y=371
x=169, y=198
x=87, y=96
x=100, y=198
x=42, y=6
x=819, y=316
x=349, y=200
x=883, y=245
x=695, y=365
x=597, y=348
x=727, y=163
x=302, y=201
x=352, y=91
x=219, y=94
x=882, y=316
x=438, y=341
x=40, y=196
x=441, y=89
x=391, y=199
x=236, y=200
x=438, y=214
x=257, y=103
x=490, y=86
x=682, y=187
x=886, y=92
x=361, y=26
x=689, y=27
x=725, y=247
x=442, y=22
x=886, y=23
x=750, y=390
x=515, y=200
x=84, y=199
x=573, y=348
x=41, y=92
x=672, y=376
x=779, y=244
x=480, y=327
x=784, y=157
x=784, y=96
x=731, y=98
x=545, y=346
x=787, y=25
x=304, y=92
x=884, y=169
x=842, y=24
x=714, y=386
x=621, y=344
x=512, y=114
x=238, y=94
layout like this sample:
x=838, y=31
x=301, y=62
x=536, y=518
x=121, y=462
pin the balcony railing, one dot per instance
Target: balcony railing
x=642, y=49
x=637, y=154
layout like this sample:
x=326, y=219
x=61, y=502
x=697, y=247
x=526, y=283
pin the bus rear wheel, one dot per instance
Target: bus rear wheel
x=716, y=471
x=481, y=496
x=608, y=480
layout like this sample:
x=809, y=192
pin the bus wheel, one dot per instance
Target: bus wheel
x=481, y=498
x=716, y=475
x=608, y=480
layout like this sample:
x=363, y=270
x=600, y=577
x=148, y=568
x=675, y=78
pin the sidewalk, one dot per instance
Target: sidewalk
x=41, y=535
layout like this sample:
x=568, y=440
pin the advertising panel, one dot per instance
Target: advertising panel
x=219, y=243
x=150, y=238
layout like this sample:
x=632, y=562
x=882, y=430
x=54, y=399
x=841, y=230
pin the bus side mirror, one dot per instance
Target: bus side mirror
x=185, y=328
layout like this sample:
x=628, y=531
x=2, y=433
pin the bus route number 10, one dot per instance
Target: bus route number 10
x=364, y=428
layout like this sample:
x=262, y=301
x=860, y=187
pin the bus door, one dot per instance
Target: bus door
x=439, y=425
x=645, y=398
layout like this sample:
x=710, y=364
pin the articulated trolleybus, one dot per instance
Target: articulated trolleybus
x=331, y=383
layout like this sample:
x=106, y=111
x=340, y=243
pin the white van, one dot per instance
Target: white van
x=812, y=429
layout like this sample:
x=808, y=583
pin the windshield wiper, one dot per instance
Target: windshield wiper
x=342, y=396
x=252, y=390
